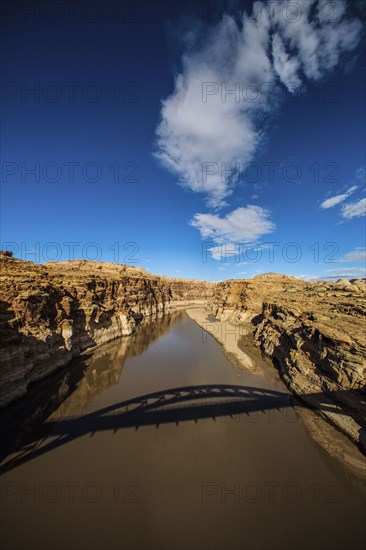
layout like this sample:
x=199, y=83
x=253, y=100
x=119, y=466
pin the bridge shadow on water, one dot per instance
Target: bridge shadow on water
x=175, y=405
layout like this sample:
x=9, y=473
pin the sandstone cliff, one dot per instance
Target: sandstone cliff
x=53, y=398
x=50, y=313
x=315, y=334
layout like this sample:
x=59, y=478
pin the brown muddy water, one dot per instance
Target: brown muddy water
x=157, y=442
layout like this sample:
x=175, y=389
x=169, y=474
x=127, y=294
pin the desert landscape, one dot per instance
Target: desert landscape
x=183, y=275
x=313, y=332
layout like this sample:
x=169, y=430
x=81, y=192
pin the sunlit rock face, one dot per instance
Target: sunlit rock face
x=314, y=332
x=50, y=313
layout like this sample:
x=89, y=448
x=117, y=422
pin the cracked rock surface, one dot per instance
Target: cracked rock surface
x=50, y=313
x=315, y=332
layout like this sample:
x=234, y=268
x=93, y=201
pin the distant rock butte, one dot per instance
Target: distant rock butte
x=313, y=331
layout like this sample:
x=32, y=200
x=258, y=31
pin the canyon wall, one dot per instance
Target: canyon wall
x=50, y=313
x=315, y=332
x=91, y=374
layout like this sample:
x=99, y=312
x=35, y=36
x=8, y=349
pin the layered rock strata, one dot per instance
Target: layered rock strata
x=50, y=313
x=315, y=332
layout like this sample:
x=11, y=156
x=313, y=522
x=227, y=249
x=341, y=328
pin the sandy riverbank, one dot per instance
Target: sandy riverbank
x=227, y=334
x=231, y=338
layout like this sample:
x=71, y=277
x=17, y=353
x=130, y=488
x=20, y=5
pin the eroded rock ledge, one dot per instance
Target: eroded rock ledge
x=50, y=313
x=315, y=334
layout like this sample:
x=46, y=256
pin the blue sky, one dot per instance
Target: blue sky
x=120, y=152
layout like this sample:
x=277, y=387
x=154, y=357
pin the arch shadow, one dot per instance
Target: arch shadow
x=174, y=405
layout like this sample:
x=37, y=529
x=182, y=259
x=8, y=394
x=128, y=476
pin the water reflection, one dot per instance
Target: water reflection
x=164, y=410
x=23, y=423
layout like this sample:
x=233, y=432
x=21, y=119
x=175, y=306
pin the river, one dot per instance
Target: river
x=157, y=441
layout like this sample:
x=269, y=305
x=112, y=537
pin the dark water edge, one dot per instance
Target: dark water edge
x=157, y=441
x=23, y=421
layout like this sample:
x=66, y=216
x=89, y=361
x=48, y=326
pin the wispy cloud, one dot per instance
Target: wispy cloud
x=357, y=255
x=347, y=272
x=202, y=121
x=354, y=209
x=361, y=174
x=286, y=67
x=345, y=275
x=337, y=199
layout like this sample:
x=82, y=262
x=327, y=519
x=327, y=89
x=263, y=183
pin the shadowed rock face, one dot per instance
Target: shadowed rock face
x=315, y=333
x=50, y=313
x=90, y=375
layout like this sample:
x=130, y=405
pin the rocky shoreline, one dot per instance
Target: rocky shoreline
x=313, y=332
x=239, y=347
x=52, y=312
x=315, y=335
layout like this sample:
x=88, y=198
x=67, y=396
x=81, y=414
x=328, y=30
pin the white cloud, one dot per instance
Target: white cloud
x=349, y=270
x=354, y=209
x=333, y=201
x=357, y=255
x=287, y=68
x=222, y=251
x=226, y=130
x=319, y=42
x=242, y=225
x=202, y=132
x=344, y=275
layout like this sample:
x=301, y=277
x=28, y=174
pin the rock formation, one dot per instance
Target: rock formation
x=313, y=331
x=315, y=334
x=50, y=313
x=91, y=374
